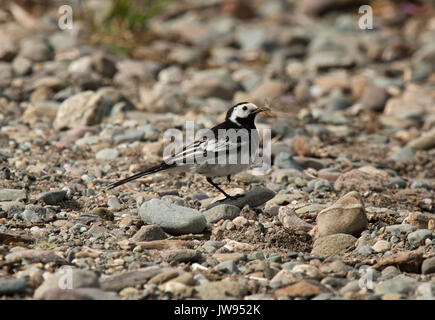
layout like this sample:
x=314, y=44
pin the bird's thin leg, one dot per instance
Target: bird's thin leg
x=229, y=178
x=209, y=180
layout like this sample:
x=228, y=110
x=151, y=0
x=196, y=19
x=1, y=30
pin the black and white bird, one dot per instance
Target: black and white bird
x=228, y=148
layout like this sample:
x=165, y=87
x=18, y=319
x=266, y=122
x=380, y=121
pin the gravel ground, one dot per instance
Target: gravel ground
x=345, y=210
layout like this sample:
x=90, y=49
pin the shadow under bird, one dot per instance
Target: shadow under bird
x=204, y=156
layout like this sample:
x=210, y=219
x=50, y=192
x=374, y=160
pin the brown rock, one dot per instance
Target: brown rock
x=289, y=219
x=361, y=181
x=375, y=98
x=421, y=220
x=406, y=261
x=303, y=288
x=347, y=215
x=132, y=278
x=35, y=256
x=428, y=266
x=302, y=145
x=149, y=233
x=163, y=277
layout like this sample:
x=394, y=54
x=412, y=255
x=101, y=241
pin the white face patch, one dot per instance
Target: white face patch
x=242, y=111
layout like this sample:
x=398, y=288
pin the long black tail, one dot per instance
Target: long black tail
x=160, y=167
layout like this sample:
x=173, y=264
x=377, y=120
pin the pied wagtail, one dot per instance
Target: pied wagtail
x=231, y=147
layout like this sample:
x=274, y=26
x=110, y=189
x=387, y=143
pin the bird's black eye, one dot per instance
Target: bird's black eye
x=245, y=108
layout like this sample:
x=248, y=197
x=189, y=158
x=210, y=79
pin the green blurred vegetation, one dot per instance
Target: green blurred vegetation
x=123, y=24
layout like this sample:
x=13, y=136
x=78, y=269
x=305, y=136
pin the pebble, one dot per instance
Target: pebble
x=381, y=246
x=219, y=212
x=284, y=160
x=172, y=218
x=428, y=266
x=398, y=284
x=149, y=233
x=332, y=244
x=228, y=266
x=12, y=286
x=107, y=154
x=347, y=215
x=290, y=220
x=415, y=238
x=113, y=203
x=220, y=289
x=82, y=109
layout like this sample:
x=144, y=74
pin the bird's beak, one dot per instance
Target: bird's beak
x=263, y=109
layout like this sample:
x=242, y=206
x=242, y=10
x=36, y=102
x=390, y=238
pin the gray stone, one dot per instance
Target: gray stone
x=398, y=284
x=398, y=181
x=82, y=109
x=252, y=198
x=31, y=216
x=35, y=256
x=129, y=136
x=36, y=49
x=228, y=266
x=425, y=142
x=402, y=154
x=284, y=160
x=113, y=203
x=107, y=154
x=21, y=66
x=12, y=286
x=211, y=83
x=52, y=197
x=59, y=280
x=425, y=291
x=149, y=233
x=181, y=255
x=365, y=250
x=251, y=38
x=398, y=228
x=428, y=266
x=221, y=290
x=332, y=244
x=416, y=237
x=172, y=218
x=12, y=195
x=223, y=211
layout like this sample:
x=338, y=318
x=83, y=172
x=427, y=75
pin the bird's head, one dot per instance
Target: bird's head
x=244, y=113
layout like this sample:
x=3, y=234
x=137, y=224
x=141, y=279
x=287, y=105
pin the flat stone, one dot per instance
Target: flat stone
x=361, y=181
x=381, y=246
x=303, y=288
x=12, y=195
x=172, y=218
x=223, y=211
x=119, y=281
x=332, y=244
x=252, y=198
x=107, y=154
x=35, y=256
